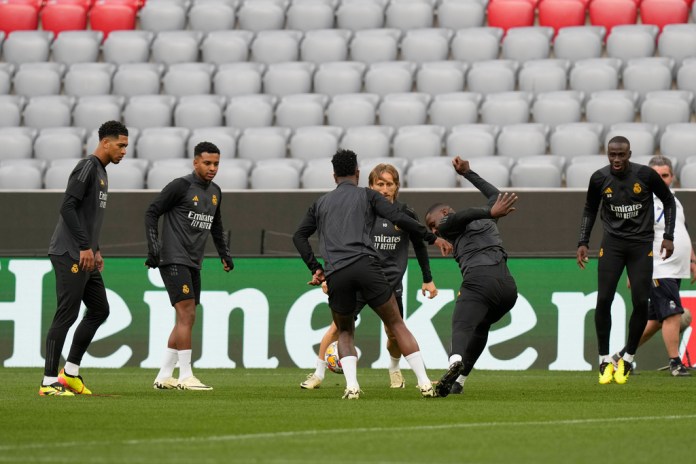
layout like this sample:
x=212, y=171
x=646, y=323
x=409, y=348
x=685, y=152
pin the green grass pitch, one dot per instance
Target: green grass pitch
x=263, y=416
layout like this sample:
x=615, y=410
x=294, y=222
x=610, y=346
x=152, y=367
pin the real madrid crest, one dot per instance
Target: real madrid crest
x=636, y=188
x=215, y=200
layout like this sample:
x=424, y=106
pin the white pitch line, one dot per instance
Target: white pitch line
x=304, y=433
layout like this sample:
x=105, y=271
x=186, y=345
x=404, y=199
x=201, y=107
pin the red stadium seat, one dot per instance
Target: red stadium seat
x=510, y=13
x=562, y=13
x=18, y=17
x=135, y=4
x=663, y=12
x=106, y=18
x=38, y=4
x=59, y=17
x=86, y=4
x=610, y=13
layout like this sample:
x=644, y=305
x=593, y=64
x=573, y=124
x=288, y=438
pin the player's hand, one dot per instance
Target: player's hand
x=430, y=289
x=152, y=261
x=460, y=165
x=87, y=260
x=503, y=205
x=628, y=282
x=582, y=257
x=693, y=272
x=99, y=261
x=325, y=287
x=444, y=246
x=227, y=263
x=317, y=278
x=666, y=249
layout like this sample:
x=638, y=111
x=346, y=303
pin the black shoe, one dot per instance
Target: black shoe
x=456, y=389
x=444, y=386
x=678, y=370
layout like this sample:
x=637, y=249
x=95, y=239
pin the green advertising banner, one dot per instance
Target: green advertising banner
x=263, y=315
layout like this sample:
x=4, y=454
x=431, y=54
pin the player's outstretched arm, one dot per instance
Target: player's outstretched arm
x=504, y=205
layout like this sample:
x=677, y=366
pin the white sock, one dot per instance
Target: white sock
x=415, y=360
x=604, y=358
x=454, y=358
x=171, y=356
x=628, y=357
x=350, y=370
x=71, y=369
x=49, y=380
x=184, y=364
x=320, y=370
x=461, y=379
x=394, y=364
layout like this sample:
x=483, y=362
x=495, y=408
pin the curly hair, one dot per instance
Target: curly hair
x=205, y=147
x=345, y=163
x=112, y=129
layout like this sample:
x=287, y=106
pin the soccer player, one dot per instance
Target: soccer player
x=624, y=191
x=344, y=218
x=78, y=263
x=191, y=209
x=488, y=291
x=666, y=308
x=392, y=245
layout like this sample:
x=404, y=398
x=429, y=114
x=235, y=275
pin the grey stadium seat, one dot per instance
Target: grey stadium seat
x=368, y=141
x=611, y=107
x=325, y=45
x=493, y=76
x=424, y=45
x=143, y=111
x=686, y=75
x=476, y=44
x=170, y=47
x=375, y=45
x=414, y=14
x=20, y=177
x=424, y=141
x=576, y=139
x=225, y=138
x=27, y=46
x=471, y=141
x=354, y=109
x=258, y=143
x=137, y=79
x=90, y=112
x=250, y=111
x=339, y=77
x=632, y=41
x=390, y=77
x=301, y=110
x=494, y=169
x=49, y=111
x=122, y=47
x=678, y=141
x=87, y=79
x=527, y=43
x=506, y=108
x=212, y=16
x=404, y=109
x=159, y=175
x=452, y=109
x=313, y=142
x=318, y=174
x=262, y=15
x=358, y=15
x=666, y=107
x=517, y=140
x=289, y=78
x=533, y=175
x=438, y=77
x=554, y=108
x=77, y=46
x=547, y=75
x=125, y=176
x=17, y=142
x=308, y=15
x=677, y=41
x=461, y=14
x=578, y=174
x=648, y=74
x=277, y=46
x=641, y=135
x=188, y=79
x=595, y=74
x=579, y=42
x=226, y=46
x=195, y=111
x=11, y=107
x=232, y=176
x=234, y=79
x=431, y=175
x=36, y=79
x=162, y=16
x=159, y=143
x=274, y=177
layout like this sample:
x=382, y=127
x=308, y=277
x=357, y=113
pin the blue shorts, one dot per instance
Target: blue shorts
x=664, y=299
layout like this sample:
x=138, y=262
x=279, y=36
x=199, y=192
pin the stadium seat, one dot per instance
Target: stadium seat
x=159, y=143
x=647, y=74
x=562, y=13
x=506, y=108
x=106, y=17
x=554, y=108
x=85, y=79
x=574, y=139
x=410, y=14
x=246, y=111
x=664, y=107
x=610, y=13
x=632, y=41
x=11, y=107
x=232, y=176
x=234, y=79
x=535, y=175
x=122, y=47
x=518, y=140
x=579, y=43
x=595, y=74
x=77, y=46
x=527, y=43
x=339, y=77
x=161, y=174
x=49, y=111
x=171, y=47
x=91, y=111
x=314, y=142
x=476, y=44
x=578, y=174
x=353, y=109
x=6, y=73
x=145, y=111
x=196, y=111
x=325, y=45
x=18, y=17
x=663, y=12
x=390, y=77
x=276, y=46
x=27, y=46
x=471, y=141
x=358, y=15
x=404, y=109
x=225, y=138
x=375, y=45
x=678, y=141
x=125, y=176
x=494, y=76
x=431, y=175
x=318, y=174
x=438, y=77
x=262, y=15
x=461, y=14
x=259, y=143
x=274, y=177
x=511, y=13
x=555, y=160
x=56, y=175
x=188, y=79
x=687, y=176
x=137, y=79
x=609, y=107
x=452, y=109
x=225, y=46
x=162, y=16
x=422, y=141
x=35, y=79
x=289, y=78
x=492, y=168
x=677, y=41
x=425, y=45
x=301, y=110
x=211, y=16
x=16, y=142
x=59, y=17
x=548, y=75
x=308, y=15
x=641, y=136
x=58, y=144
x=686, y=75
x=368, y=142
x=20, y=177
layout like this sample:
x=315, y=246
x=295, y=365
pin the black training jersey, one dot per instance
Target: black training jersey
x=82, y=212
x=344, y=218
x=474, y=234
x=626, y=201
x=191, y=210
x=391, y=242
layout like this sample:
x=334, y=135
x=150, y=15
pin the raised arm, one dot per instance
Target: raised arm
x=464, y=169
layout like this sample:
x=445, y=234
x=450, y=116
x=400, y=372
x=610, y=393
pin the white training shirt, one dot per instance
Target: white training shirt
x=677, y=266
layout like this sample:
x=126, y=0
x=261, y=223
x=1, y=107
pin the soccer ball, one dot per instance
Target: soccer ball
x=685, y=320
x=332, y=360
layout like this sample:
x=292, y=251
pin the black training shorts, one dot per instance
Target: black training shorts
x=182, y=282
x=364, y=276
x=664, y=299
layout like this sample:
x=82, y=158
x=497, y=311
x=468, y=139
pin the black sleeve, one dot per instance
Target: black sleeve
x=387, y=210
x=301, y=239
x=589, y=213
x=68, y=212
x=660, y=189
x=167, y=199
x=218, y=233
x=454, y=224
x=488, y=190
x=420, y=249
